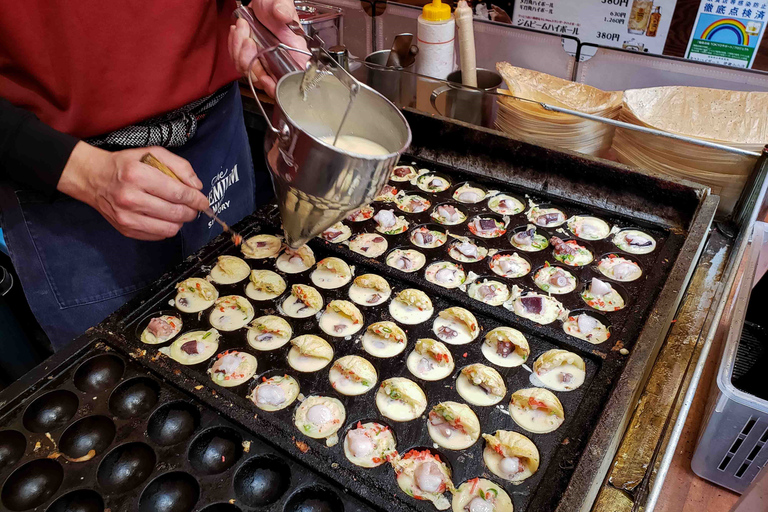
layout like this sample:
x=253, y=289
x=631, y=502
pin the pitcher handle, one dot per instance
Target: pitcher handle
x=253, y=89
x=436, y=94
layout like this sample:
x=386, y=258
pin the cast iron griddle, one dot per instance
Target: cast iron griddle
x=559, y=450
x=104, y=433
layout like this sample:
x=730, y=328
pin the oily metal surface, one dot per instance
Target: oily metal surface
x=153, y=446
x=673, y=209
x=466, y=464
x=638, y=294
x=559, y=449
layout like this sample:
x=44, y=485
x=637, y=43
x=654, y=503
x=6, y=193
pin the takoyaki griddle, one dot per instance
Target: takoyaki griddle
x=101, y=432
x=558, y=450
x=675, y=214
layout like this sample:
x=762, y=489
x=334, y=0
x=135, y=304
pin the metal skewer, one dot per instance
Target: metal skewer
x=152, y=161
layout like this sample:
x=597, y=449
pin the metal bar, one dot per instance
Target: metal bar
x=553, y=108
x=643, y=129
x=731, y=273
x=749, y=193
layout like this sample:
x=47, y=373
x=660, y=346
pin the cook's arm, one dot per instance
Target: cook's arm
x=31, y=152
x=135, y=198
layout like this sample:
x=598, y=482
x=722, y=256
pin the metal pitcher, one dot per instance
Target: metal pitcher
x=316, y=183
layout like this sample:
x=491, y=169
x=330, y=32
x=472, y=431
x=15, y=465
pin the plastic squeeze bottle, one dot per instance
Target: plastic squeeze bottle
x=436, y=34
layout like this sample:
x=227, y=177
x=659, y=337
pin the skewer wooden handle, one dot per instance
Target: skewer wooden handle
x=149, y=159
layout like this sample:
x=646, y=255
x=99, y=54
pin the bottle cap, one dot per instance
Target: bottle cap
x=436, y=11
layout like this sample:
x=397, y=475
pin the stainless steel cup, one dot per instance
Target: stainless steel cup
x=396, y=86
x=468, y=104
x=317, y=184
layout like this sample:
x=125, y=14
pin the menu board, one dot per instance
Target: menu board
x=728, y=32
x=640, y=25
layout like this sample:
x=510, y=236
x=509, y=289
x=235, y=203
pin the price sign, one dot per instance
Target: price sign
x=640, y=25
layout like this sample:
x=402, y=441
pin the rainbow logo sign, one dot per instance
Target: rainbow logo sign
x=725, y=30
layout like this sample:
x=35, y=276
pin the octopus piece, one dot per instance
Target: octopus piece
x=525, y=237
x=532, y=305
x=448, y=213
x=558, y=278
x=586, y=324
x=638, y=240
x=385, y=218
x=445, y=275
x=468, y=249
x=160, y=328
x=423, y=238
x=599, y=288
x=549, y=218
x=561, y=247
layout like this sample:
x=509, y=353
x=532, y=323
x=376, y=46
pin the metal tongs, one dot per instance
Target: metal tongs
x=276, y=61
x=322, y=64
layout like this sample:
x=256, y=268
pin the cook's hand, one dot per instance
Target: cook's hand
x=274, y=14
x=500, y=15
x=137, y=199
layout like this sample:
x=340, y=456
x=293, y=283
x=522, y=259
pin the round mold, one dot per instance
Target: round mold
x=13, y=444
x=432, y=226
x=32, y=484
x=522, y=200
x=215, y=450
x=144, y=322
x=428, y=176
x=262, y=481
x=314, y=499
x=495, y=217
x=478, y=242
x=171, y=492
x=82, y=500
x=50, y=411
x=599, y=315
x=561, y=266
x=472, y=184
x=134, y=397
x=509, y=252
x=405, y=249
x=627, y=256
x=173, y=423
x=545, y=206
x=584, y=214
x=126, y=467
x=619, y=287
x=91, y=433
x=539, y=231
x=99, y=373
x=221, y=507
x=586, y=245
x=460, y=207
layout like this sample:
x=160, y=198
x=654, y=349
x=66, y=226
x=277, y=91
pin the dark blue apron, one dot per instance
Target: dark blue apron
x=76, y=269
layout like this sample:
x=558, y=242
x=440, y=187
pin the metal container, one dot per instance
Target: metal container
x=469, y=104
x=729, y=451
x=322, y=20
x=316, y=183
x=397, y=86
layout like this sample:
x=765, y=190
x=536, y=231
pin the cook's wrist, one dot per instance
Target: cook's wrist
x=83, y=172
